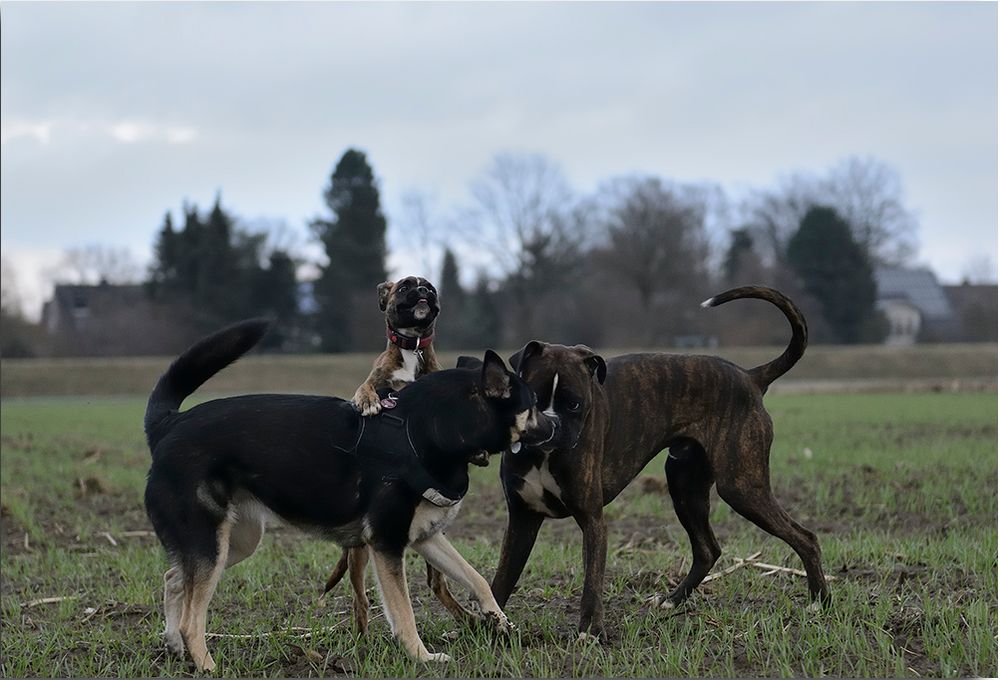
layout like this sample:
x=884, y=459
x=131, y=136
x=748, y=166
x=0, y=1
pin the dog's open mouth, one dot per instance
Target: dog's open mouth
x=421, y=309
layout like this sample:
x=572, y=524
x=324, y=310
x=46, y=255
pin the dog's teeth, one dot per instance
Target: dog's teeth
x=515, y=447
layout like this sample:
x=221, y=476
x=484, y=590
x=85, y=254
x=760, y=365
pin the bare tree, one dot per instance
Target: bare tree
x=524, y=218
x=419, y=228
x=656, y=241
x=866, y=192
x=772, y=216
x=980, y=269
x=869, y=195
x=93, y=264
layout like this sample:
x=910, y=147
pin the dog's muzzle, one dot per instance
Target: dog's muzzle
x=532, y=443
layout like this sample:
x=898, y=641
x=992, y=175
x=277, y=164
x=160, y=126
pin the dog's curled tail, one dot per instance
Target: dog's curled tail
x=190, y=370
x=766, y=374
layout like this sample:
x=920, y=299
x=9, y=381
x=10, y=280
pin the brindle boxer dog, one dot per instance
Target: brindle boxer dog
x=613, y=417
x=411, y=307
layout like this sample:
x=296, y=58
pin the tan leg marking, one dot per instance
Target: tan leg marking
x=391, y=579
x=439, y=552
x=198, y=595
x=173, y=608
x=358, y=562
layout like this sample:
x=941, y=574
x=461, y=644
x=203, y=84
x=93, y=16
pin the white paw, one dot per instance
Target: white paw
x=667, y=604
x=207, y=665
x=587, y=638
x=373, y=409
x=436, y=658
x=815, y=607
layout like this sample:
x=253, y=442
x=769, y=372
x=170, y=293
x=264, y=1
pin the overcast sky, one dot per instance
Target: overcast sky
x=114, y=113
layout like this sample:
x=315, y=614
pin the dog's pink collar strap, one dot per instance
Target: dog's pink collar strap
x=406, y=342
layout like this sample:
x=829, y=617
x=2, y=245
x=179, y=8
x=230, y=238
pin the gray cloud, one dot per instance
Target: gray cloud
x=115, y=112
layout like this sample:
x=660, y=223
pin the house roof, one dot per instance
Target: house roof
x=919, y=287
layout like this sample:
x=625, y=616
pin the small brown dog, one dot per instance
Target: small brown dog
x=411, y=307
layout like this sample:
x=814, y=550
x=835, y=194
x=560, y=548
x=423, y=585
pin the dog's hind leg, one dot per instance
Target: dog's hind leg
x=201, y=579
x=749, y=493
x=173, y=608
x=439, y=586
x=689, y=480
x=391, y=578
x=357, y=564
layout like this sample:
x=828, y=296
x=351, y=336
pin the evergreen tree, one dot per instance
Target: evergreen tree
x=836, y=271
x=452, y=325
x=740, y=249
x=482, y=316
x=218, y=273
x=354, y=242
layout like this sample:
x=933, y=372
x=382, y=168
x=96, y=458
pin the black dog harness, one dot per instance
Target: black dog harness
x=385, y=450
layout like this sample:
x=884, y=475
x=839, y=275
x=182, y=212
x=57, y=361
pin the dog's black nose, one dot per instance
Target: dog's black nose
x=423, y=290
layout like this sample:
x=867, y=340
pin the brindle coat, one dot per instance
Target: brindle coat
x=615, y=417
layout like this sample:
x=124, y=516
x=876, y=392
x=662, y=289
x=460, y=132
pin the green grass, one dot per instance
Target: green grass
x=900, y=488
x=340, y=374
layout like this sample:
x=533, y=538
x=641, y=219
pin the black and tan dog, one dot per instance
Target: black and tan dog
x=411, y=306
x=614, y=417
x=222, y=467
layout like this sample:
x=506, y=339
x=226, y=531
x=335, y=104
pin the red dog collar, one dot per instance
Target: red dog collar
x=406, y=342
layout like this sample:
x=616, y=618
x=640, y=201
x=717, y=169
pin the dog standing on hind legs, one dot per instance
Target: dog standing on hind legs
x=411, y=306
x=613, y=417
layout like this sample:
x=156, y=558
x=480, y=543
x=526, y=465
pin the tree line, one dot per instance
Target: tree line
x=527, y=257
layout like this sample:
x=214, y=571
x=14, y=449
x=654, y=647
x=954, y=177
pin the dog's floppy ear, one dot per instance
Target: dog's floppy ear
x=595, y=362
x=384, y=291
x=496, y=377
x=517, y=360
x=468, y=362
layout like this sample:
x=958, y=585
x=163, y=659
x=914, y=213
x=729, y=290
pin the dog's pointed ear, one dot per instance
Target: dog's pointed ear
x=594, y=362
x=384, y=291
x=517, y=360
x=496, y=377
x=468, y=362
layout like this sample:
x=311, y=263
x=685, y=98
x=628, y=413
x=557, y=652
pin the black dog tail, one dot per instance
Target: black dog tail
x=767, y=373
x=190, y=370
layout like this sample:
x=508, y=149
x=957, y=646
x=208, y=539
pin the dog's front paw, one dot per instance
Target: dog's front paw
x=499, y=622
x=367, y=401
x=435, y=658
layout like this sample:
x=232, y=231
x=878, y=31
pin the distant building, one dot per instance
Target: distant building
x=975, y=307
x=919, y=309
x=112, y=320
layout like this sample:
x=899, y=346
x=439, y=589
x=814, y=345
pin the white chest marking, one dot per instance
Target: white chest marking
x=429, y=519
x=408, y=373
x=537, y=481
x=551, y=410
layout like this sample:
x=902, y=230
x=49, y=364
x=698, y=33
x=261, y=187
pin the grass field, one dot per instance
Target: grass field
x=900, y=488
x=871, y=366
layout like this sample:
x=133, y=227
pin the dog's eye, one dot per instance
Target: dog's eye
x=574, y=407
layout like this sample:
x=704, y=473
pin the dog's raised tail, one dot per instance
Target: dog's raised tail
x=190, y=370
x=766, y=374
